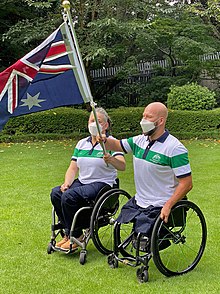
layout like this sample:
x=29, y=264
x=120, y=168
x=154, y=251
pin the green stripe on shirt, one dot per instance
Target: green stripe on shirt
x=86, y=153
x=179, y=160
x=153, y=157
x=161, y=159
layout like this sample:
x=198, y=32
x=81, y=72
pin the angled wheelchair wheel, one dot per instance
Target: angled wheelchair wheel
x=124, y=240
x=105, y=212
x=134, y=248
x=177, y=246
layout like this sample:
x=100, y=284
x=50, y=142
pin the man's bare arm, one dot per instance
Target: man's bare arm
x=184, y=186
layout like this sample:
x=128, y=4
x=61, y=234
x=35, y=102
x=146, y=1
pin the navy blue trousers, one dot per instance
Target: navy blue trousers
x=66, y=204
x=143, y=218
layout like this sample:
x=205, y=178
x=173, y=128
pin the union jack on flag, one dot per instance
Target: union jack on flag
x=49, y=76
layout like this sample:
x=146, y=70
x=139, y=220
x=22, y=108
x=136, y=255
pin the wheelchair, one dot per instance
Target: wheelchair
x=97, y=219
x=176, y=247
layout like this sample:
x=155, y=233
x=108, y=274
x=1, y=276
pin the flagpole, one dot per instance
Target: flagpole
x=67, y=17
x=66, y=5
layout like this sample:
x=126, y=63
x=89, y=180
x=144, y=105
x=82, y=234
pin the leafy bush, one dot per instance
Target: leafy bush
x=72, y=123
x=64, y=120
x=217, y=93
x=191, y=97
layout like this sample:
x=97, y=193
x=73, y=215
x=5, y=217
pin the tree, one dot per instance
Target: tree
x=115, y=32
x=209, y=11
x=24, y=24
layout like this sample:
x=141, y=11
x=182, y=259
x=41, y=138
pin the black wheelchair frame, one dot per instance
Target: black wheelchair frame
x=102, y=214
x=176, y=247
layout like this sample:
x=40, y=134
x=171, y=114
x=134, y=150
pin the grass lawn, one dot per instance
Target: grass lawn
x=30, y=170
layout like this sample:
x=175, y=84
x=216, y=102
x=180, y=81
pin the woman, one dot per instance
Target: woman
x=95, y=170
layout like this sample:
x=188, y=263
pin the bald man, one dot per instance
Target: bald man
x=162, y=172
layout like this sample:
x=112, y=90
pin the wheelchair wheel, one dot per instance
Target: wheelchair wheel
x=177, y=246
x=105, y=212
x=142, y=274
x=82, y=257
x=112, y=261
x=50, y=248
x=124, y=240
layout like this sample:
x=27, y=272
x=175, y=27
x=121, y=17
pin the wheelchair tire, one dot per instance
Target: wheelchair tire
x=112, y=261
x=123, y=240
x=142, y=274
x=50, y=248
x=105, y=212
x=178, y=246
x=82, y=257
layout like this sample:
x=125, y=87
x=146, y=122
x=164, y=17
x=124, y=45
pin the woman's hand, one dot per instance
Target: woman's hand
x=103, y=138
x=108, y=158
x=64, y=187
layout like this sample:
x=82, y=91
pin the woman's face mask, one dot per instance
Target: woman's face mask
x=148, y=127
x=93, y=128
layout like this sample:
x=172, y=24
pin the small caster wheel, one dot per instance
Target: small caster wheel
x=112, y=261
x=82, y=257
x=142, y=274
x=50, y=248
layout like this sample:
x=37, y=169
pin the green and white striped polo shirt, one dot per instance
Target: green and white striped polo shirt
x=92, y=167
x=157, y=165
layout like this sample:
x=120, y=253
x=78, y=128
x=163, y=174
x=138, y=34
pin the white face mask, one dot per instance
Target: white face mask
x=93, y=129
x=147, y=126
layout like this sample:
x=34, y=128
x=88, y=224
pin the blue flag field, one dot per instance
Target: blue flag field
x=49, y=76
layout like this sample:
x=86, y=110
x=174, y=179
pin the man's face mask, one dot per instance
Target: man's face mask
x=93, y=129
x=148, y=127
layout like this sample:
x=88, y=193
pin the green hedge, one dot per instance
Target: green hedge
x=72, y=123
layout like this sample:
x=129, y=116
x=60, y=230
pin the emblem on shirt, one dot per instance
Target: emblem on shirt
x=156, y=158
x=100, y=154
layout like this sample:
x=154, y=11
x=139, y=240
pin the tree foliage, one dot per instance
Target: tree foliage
x=116, y=32
x=24, y=24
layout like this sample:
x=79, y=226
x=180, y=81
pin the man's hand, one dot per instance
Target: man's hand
x=165, y=212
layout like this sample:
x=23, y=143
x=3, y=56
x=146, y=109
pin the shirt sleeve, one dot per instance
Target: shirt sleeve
x=75, y=152
x=115, y=153
x=127, y=145
x=180, y=162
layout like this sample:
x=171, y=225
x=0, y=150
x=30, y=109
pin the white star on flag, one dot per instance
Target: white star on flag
x=32, y=101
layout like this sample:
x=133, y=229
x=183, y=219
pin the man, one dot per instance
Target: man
x=162, y=171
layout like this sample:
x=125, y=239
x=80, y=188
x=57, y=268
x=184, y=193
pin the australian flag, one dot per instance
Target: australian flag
x=49, y=76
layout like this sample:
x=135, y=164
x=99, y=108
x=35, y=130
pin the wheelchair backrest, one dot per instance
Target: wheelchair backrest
x=116, y=185
x=107, y=188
